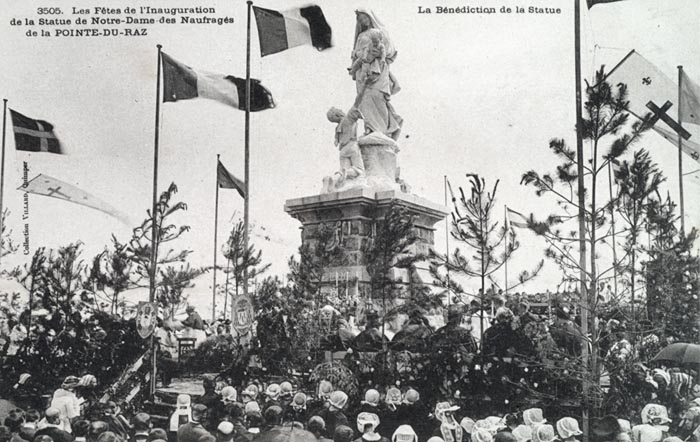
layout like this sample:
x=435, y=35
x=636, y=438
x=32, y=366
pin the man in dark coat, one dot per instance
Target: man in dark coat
x=453, y=336
x=371, y=338
x=193, y=319
x=193, y=430
x=414, y=335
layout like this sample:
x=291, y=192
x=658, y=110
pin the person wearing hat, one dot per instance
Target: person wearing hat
x=254, y=423
x=157, y=434
x=371, y=404
x=413, y=411
x=181, y=415
x=193, y=430
x=533, y=417
x=224, y=432
x=654, y=426
x=52, y=426
x=333, y=416
x=286, y=395
x=502, y=338
x=367, y=426
x=141, y=424
x=452, y=336
x=448, y=429
x=66, y=402
x=193, y=320
x=404, y=433
x=296, y=411
x=568, y=429
x=390, y=417
x=324, y=390
x=504, y=436
x=544, y=433
x=250, y=393
x=370, y=339
x=605, y=429
x=118, y=424
x=272, y=396
x=523, y=433
x=227, y=405
x=13, y=422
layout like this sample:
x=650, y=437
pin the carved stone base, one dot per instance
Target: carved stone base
x=353, y=213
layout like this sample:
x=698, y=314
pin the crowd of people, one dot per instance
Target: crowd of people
x=225, y=414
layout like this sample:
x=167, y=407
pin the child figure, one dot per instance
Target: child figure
x=351, y=164
x=368, y=64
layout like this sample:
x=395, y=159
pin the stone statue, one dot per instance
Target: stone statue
x=351, y=165
x=371, y=56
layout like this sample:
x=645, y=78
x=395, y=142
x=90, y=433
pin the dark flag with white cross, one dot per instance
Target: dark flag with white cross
x=45, y=185
x=34, y=135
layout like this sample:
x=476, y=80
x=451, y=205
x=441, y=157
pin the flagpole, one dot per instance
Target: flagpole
x=216, y=229
x=505, y=261
x=246, y=208
x=612, y=224
x=154, y=229
x=447, y=245
x=2, y=173
x=581, y=212
x=680, y=147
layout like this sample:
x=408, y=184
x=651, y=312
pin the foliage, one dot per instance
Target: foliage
x=170, y=282
x=672, y=277
x=67, y=336
x=110, y=275
x=7, y=246
x=241, y=261
x=473, y=226
x=638, y=181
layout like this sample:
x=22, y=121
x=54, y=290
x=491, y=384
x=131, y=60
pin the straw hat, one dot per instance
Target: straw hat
x=299, y=400
x=568, y=427
x=411, y=396
x=251, y=391
x=225, y=428
x=287, y=388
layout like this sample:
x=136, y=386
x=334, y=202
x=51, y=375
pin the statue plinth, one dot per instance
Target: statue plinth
x=353, y=214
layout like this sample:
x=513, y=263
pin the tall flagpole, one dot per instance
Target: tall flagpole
x=246, y=208
x=216, y=228
x=2, y=172
x=154, y=219
x=585, y=303
x=505, y=262
x=680, y=147
x=447, y=246
x=612, y=224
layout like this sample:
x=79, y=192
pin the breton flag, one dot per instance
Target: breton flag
x=225, y=180
x=645, y=83
x=49, y=186
x=521, y=220
x=181, y=82
x=34, y=135
x=281, y=30
x=592, y=3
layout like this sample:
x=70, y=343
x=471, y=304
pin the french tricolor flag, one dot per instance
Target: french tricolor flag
x=281, y=30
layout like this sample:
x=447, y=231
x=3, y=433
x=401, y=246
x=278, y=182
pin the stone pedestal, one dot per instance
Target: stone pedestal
x=353, y=214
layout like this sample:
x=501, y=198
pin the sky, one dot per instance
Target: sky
x=480, y=94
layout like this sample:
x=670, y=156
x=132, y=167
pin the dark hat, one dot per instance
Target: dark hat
x=605, y=427
x=504, y=436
